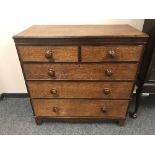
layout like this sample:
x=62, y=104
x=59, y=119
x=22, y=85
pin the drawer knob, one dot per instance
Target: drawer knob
x=53, y=91
x=55, y=109
x=104, y=109
x=111, y=53
x=48, y=54
x=51, y=72
x=106, y=91
x=108, y=72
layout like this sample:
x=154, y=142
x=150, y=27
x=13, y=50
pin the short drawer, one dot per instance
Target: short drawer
x=68, y=89
x=111, y=53
x=48, y=53
x=80, y=108
x=121, y=71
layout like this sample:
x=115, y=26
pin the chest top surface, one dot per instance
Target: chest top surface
x=76, y=31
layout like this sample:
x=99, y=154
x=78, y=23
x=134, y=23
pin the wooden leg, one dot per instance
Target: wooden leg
x=121, y=122
x=38, y=120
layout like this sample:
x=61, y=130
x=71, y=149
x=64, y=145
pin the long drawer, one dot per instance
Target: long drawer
x=48, y=53
x=121, y=71
x=111, y=53
x=80, y=108
x=68, y=89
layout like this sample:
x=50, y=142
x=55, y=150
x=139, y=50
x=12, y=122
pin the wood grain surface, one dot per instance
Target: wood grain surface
x=80, y=71
x=39, y=89
x=59, y=53
x=100, y=53
x=84, y=108
x=59, y=31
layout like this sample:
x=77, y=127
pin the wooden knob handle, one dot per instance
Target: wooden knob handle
x=51, y=72
x=104, y=109
x=111, y=53
x=108, y=72
x=55, y=109
x=106, y=91
x=53, y=91
x=48, y=54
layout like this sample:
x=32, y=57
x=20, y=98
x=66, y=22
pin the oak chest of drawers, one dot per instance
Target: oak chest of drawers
x=80, y=72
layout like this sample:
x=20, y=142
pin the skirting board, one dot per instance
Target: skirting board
x=13, y=95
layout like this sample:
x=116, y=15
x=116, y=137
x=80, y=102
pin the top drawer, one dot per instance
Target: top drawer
x=111, y=53
x=48, y=53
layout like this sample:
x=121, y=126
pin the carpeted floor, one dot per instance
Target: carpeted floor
x=16, y=118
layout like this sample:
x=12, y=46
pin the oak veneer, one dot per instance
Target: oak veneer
x=58, y=53
x=68, y=89
x=80, y=108
x=72, y=31
x=121, y=53
x=57, y=71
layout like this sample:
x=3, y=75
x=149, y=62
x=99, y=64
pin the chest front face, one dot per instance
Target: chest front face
x=84, y=75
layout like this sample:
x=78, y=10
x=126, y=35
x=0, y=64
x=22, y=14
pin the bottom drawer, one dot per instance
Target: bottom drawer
x=80, y=108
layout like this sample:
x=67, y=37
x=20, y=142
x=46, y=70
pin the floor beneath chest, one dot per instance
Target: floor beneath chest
x=16, y=118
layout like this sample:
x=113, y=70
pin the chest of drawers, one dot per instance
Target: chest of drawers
x=80, y=72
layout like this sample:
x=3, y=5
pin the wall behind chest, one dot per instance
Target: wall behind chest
x=18, y=15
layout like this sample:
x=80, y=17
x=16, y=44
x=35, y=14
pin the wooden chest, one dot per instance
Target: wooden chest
x=80, y=72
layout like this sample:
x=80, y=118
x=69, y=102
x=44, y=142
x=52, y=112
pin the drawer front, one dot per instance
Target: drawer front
x=48, y=89
x=111, y=53
x=81, y=71
x=48, y=53
x=79, y=108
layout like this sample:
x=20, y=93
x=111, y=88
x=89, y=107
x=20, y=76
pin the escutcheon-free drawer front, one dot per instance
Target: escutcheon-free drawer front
x=67, y=89
x=57, y=71
x=80, y=108
x=48, y=53
x=111, y=53
x=80, y=72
